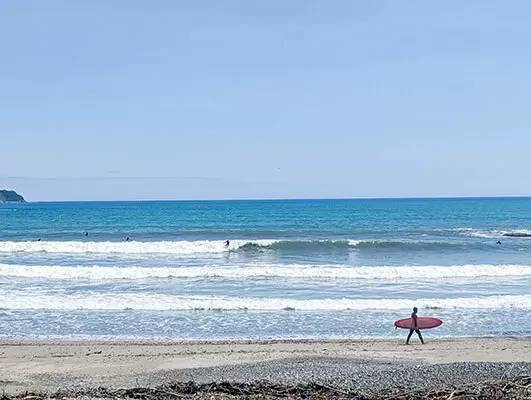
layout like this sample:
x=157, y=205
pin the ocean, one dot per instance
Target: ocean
x=293, y=269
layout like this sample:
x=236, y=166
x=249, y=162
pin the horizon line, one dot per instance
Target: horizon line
x=290, y=199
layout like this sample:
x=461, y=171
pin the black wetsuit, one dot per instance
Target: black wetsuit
x=414, y=316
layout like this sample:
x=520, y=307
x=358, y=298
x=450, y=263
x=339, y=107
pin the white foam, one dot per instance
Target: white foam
x=131, y=247
x=266, y=271
x=159, y=302
x=490, y=234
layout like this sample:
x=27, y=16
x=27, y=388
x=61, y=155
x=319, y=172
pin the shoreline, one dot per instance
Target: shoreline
x=353, y=364
x=237, y=341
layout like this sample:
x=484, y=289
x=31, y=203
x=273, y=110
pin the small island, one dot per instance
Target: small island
x=10, y=196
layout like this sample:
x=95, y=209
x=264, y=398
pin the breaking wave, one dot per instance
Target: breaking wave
x=102, y=273
x=494, y=233
x=160, y=302
x=214, y=246
x=132, y=247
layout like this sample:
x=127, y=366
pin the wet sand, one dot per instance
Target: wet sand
x=366, y=365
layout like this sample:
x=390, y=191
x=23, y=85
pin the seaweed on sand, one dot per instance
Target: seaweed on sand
x=518, y=388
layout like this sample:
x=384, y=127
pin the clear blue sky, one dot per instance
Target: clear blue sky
x=241, y=99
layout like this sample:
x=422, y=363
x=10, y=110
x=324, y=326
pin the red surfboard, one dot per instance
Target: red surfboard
x=422, y=323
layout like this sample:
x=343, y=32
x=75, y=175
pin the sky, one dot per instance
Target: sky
x=130, y=100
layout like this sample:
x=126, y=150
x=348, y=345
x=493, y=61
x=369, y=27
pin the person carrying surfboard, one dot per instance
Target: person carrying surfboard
x=415, y=324
x=414, y=327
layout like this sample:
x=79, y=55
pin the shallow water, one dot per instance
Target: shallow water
x=293, y=269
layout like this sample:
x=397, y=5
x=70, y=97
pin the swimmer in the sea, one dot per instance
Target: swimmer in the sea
x=127, y=239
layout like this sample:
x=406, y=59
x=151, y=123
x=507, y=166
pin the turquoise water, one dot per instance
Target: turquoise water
x=293, y=268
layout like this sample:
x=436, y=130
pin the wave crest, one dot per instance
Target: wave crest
x=131, y=247
x=215, y=246
x=159, y=302
x=295, y=271
x=494, y=233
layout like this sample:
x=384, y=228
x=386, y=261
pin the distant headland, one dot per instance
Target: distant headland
x=10, y=196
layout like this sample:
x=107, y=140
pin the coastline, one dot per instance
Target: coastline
x=355, y=365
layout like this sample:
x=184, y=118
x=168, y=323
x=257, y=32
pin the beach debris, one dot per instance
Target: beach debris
x=93, y=352
x=517, y=388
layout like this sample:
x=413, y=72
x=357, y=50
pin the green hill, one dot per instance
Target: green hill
x=8, y=196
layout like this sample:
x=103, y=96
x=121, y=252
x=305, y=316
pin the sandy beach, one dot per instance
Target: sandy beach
x=358, y=365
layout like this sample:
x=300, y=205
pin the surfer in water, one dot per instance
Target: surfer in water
x=415, y=329
x=227, y=243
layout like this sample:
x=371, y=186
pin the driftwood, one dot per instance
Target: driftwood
x=518, y=388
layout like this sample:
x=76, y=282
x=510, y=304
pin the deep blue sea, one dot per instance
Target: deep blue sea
x=293, y=268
